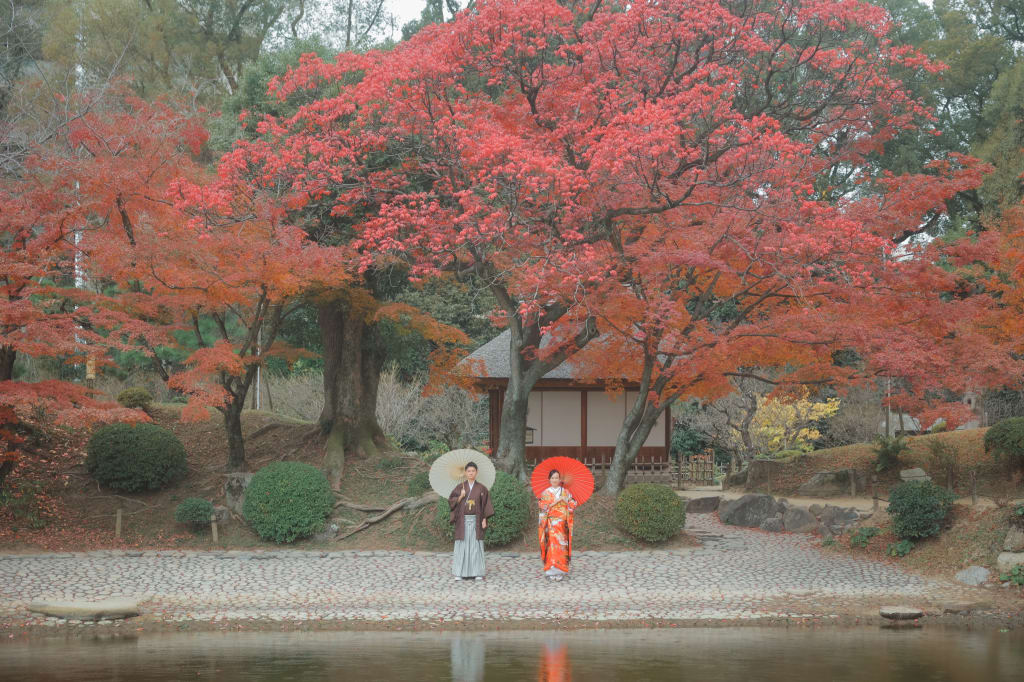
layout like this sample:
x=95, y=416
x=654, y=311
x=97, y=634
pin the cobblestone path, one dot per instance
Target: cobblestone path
x=737, y=574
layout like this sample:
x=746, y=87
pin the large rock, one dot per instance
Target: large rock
x=221, y=514
x=736, y=480
x=1014, y=541
x=1007, y=560
x=832, y=483
x=749, y=511
x=900, y=612
x=773, y=525
x=915, y=474
x=837, y=519
x=235, y=484
x=799, y=520
x=973, y=575
x=703, y=505
x=107, y=609
x=761, y=472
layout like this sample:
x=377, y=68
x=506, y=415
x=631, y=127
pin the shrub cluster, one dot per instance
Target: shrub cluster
x=1006, y=439
x=918, y=509
x=287, y=500
x=134, y=457
x=650, y=512
x=888, y=451
x=194, y=511
x=135, y=398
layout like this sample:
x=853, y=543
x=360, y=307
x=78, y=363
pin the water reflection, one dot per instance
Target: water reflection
x=783, y=655
x=468, y=658
x=554, y=663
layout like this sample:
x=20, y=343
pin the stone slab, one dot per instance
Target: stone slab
x=108, y=609
x=900, y=612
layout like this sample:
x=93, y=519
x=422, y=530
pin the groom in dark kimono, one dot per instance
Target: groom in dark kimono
x=470, y=504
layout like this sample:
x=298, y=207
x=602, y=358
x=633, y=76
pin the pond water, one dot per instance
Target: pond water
x=750, y=654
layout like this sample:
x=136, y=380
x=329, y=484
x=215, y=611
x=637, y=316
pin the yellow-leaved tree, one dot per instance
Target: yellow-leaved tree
x=781, y=425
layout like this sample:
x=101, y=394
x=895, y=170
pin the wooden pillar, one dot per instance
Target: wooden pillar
x=668, y=433
x=493, y=418
x=583, y=425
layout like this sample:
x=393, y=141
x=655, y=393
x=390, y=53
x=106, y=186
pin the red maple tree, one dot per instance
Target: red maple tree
x=692, y=178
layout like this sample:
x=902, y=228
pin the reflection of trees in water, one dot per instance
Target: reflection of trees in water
x=554, y=663
x=468, y=658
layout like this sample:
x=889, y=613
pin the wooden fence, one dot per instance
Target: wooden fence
x=695, y=470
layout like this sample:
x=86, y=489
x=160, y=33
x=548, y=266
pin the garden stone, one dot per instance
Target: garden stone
x=900, y=612
x=832, y=483
x=83, y=610
x=1007, y=560
x=234, y=490
x=1014, y=541
x=973, y=575
x=773, y=525
x=703, y=505
x=328, y=533
x=749, y=510
x=736, y=480
x=838, y=518
x=799, y=520
x=221, y=514
x=915, y=474
x=815, y=509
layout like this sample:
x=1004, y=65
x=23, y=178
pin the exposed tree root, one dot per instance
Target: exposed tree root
x=406, y=504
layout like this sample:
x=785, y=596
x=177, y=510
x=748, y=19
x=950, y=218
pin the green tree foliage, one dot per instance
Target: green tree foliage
x=512, y=504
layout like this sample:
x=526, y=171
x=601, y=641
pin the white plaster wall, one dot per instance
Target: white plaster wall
x=535, y=416
x=656, y=439
x=604, y=418
x=562, y=418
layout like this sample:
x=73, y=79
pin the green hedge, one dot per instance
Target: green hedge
x=513, y=506
x=287, y=500
x=650, y=512
x=134, y=457
x=1006, y=439
x=918, y=509
x=194, y=511
x=135, y=398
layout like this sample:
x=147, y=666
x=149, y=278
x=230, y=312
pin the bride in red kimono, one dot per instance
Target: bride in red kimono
x=554, y=529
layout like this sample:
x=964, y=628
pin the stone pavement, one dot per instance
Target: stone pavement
x=737, y=574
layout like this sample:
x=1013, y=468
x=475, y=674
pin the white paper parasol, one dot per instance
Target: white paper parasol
x=449, y=470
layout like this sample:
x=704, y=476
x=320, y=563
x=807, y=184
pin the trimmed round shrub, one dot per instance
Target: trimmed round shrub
x=419, y=484
x=513, y=506
x=194, y=511
x=1006, y=439
x=135, y=398
x=650, y=512
x=918, y=509
x=512, y=502
x=287, y=500
x=134, y=457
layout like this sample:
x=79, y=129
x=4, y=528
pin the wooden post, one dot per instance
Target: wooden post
x=974, y=487
x=117, y=524
x=213, y=528
x=874, y=492
x=853, y=483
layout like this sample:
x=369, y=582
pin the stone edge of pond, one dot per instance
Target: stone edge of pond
x=141, y=626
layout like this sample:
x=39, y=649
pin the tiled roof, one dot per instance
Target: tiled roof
x=494, y=356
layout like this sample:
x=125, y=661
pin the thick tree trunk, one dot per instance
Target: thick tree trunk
x=523, y=376
x=7, y=357
x=6, y=467
x=352, y=366
x=236, y=443
x=632, y=437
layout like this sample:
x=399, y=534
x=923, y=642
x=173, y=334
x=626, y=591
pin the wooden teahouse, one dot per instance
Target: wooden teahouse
x=565, y=417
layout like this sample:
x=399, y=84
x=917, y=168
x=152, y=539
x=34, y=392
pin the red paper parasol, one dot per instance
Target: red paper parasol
x=576, y=477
